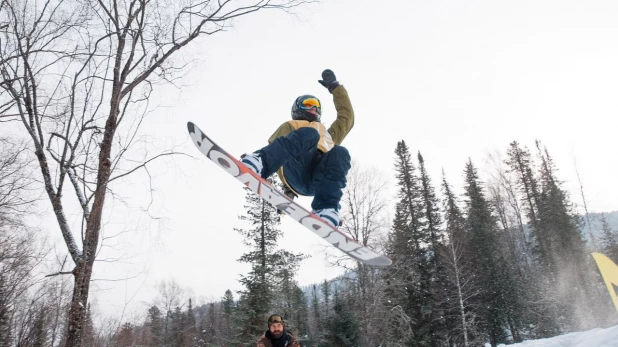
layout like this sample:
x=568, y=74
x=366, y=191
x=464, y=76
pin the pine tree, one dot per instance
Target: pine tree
x=228, y=326
x=602, y=302
x=431, y=207
x=284, y=295
x=301, y=312
x=124, y=336
x=209, y=336
x=326, y=296
x=155, y=326
x=541, y=277
x=291, y=303
x=317, y=317
x=520, y=163
x=257, y=297
x=511, y=250
x=189, y=328
x=409, y=192
x=560, y=225
x=397, y=277
x=267, y=264
x=342, y=329
x=408, y=279
x=456, y=257
x=437, y=298
x=176, y=323
x=573, y=268
x=609, y=240
x=482, y=231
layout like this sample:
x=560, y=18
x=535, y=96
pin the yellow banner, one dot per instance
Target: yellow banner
x=609, y=271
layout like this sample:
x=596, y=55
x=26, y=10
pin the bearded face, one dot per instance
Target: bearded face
x=276, y=329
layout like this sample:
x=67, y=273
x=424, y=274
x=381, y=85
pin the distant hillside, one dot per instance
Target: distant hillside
x=595, y=223
x=336, y=284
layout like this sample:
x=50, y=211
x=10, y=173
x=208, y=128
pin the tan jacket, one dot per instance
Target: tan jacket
x=337, y=131
x=328, y=137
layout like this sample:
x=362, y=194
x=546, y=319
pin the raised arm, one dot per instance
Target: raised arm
x=345, y=114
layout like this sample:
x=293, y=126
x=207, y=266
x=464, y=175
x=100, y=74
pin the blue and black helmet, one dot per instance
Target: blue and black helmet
x=307, y=107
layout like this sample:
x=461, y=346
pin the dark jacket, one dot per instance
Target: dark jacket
x=264, y=341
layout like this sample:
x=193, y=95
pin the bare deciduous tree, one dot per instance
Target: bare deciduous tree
x=593, y=241
x=364, y=205
x=505, y=199
x=455, y=255
x=77, y=75
x=19, y=256
x=25, y=303
x=16, y=182
x=398, y=320
x=171, y=295
x=461, y=291
x=364, y=209
x=39, y=312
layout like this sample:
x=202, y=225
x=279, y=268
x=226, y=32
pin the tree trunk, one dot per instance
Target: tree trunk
x=83, y=268
x=77, y=312
x=460, y=297
x=513, y=329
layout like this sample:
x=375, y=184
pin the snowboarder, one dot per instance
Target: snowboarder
x=309, y=158
x=276, y=335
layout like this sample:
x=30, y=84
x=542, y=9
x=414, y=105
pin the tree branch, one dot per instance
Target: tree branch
x=146, y=162
x=60, y=273
x=80, y=195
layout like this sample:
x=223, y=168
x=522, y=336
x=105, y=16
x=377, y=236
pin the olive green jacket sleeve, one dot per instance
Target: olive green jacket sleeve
x=345, y=115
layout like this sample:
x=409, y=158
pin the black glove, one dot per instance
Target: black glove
x=329, y=80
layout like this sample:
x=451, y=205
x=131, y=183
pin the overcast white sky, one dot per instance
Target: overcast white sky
x=454, y=79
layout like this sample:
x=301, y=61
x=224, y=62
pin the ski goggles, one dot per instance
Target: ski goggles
x=309, y=103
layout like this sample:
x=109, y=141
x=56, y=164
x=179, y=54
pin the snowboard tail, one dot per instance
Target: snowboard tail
x=277, y=199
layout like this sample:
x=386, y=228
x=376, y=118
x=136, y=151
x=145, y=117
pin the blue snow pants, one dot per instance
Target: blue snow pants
x=307, y=170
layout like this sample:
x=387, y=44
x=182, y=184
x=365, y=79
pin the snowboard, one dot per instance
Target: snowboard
x=277, y=199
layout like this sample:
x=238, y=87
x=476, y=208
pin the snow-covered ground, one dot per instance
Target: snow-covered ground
x=591, y=338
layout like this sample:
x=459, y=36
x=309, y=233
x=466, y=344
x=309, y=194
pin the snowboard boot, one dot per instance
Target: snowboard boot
x=330, y=215
x=253, y=162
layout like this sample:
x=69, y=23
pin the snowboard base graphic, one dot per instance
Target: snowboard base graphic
x=276, y=198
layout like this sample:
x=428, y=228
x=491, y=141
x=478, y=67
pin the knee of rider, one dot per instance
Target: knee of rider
x=311, y=134
x=341, y=153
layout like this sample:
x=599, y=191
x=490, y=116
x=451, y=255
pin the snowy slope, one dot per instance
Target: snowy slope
x=591, y=338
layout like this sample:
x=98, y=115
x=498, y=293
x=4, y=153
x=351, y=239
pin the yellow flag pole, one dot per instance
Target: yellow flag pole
x=609, y=272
